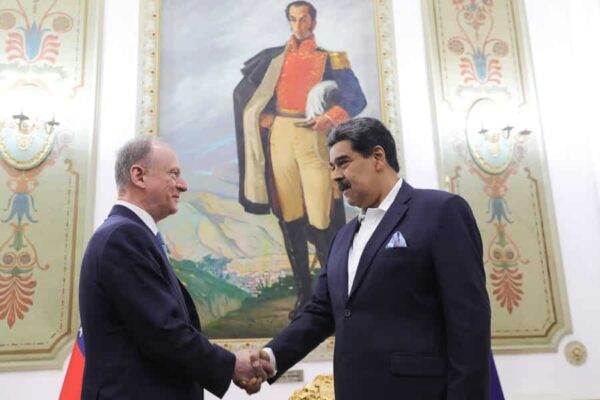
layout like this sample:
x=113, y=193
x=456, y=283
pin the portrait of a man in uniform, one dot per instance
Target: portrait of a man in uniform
x=248, y=92
x=287, y=101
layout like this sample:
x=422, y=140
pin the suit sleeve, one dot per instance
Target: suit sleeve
x=310, y=327
x=458, y=259
x=130, y=275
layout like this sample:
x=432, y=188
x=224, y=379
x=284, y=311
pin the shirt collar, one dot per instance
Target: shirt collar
x=385, y=204
x=307, y=45
x=141, y=213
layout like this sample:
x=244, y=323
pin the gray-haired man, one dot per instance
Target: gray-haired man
x=142, y=332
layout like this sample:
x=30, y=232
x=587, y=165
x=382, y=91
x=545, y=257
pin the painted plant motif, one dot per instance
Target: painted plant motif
x=494, y=151
x=479, y=52
x=33, y=38
x=33, y=33
x=27, y=147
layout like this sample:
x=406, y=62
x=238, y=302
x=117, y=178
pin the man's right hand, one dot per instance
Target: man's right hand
x=264, y=356
x=251, y=370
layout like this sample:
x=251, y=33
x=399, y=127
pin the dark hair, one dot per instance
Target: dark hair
x=364, y=134
x=311, y=9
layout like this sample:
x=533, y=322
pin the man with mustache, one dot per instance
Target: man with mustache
x=343, y=185
x=404, y=287
x=142, y=333
x=282, y=151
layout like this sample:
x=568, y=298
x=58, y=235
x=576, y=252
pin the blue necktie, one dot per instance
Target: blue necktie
x=172, y=277
x=163, y=245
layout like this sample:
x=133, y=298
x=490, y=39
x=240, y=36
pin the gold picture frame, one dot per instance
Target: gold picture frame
x=380, y=78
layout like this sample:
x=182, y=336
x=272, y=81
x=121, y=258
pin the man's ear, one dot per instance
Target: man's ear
x=136, y=174
x=379, y=157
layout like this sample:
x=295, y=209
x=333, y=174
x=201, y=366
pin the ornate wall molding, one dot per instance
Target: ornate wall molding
x=490, y=151
x=48, y=62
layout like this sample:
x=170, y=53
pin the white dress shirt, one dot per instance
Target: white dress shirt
x=369, y=219
x=140, y=212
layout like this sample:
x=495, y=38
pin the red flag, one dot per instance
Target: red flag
x=71, y=389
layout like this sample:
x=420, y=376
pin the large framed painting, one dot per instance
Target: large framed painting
x=245, y=93
x=490, y=150
x=48, y=67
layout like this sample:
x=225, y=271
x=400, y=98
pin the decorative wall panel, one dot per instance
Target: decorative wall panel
x=47, y=111
x=490, y=151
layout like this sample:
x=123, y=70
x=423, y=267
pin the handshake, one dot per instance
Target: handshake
x=252, y=368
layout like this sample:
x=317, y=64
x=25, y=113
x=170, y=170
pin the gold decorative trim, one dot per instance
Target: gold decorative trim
x=323, y=352
x=339, y=60
x=576, y=353
x=321, y=388
x=388, y=80
x=150, y=66
x=149, y=97
x=31, y=163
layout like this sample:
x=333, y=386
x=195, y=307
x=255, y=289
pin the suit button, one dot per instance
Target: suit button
x=347, y=313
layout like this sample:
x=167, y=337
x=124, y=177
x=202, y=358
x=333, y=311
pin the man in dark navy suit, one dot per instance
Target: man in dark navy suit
x=404, y=287
x=142, y=332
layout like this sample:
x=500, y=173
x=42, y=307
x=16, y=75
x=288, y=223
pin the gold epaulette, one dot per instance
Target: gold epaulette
x=339, y=60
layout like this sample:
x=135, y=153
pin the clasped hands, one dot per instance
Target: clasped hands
x=252, y=368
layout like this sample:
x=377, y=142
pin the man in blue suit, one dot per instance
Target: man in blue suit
x=404, y=287
x=142, y=332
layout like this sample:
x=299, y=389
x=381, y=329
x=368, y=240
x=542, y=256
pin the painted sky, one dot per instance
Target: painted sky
x=204, y=44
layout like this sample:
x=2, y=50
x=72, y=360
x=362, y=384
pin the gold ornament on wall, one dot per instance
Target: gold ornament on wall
x=321, y=388
x=576, y=353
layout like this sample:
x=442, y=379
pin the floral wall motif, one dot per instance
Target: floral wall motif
x=47, y=97
x=491, y=152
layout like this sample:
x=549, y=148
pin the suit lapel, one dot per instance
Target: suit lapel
x=176, y=286
x=338, y=269
x=174, y=282
x=390, y=220
x=127, y=213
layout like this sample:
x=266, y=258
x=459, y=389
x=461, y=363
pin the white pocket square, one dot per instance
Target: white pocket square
x=396, y=241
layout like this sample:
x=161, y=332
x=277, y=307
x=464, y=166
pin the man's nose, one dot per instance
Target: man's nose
x=182, y=185
x=336, y=175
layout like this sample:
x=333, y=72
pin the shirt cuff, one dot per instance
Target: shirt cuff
x=271, y=359
x=337, y=115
